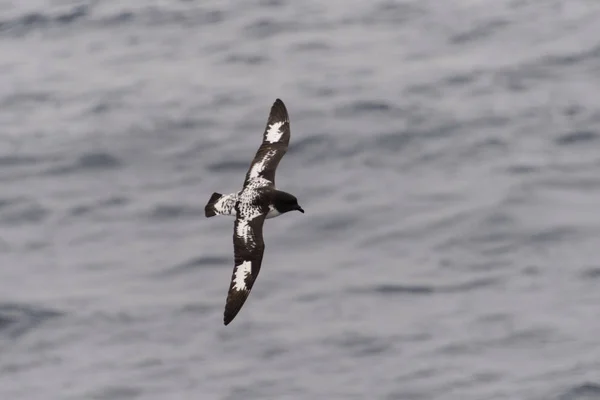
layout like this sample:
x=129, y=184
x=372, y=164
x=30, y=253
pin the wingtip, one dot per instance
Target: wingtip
x=279, y=104
x=233, y=305
x=279, y=111
x=227, y=318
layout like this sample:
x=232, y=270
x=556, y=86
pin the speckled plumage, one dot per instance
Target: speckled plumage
x=226, y=204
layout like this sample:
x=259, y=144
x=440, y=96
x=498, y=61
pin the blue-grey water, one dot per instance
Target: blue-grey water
x=447, y=154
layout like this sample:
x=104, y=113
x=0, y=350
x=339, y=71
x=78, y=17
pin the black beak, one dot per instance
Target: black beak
x=300, y=209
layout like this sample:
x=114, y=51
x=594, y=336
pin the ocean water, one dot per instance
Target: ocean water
x=447, y=154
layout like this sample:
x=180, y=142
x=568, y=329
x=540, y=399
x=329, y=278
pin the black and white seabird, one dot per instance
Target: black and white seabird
x=257, y=201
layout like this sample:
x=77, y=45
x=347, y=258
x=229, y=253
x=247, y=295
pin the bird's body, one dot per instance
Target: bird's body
x=225, y=205
x=258, y=200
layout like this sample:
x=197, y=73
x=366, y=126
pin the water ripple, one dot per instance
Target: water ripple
x=584, y=391
x=164, y=212
x=36, y=20
x=18, y=319
x=360, y=345
x=96, y=161
x=11, y=160
x=361, y=107
x=208, y=261
x=116, y=393
x=23, y=211
x=577, y=137
x=21, y=25
x=590, y=273
x=388, y=289
x=110, y=202
x=228, y=165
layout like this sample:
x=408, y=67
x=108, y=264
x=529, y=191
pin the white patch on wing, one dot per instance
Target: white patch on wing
x=244, y=232
x=274, y=132
x=241, y=273
x=259, y=166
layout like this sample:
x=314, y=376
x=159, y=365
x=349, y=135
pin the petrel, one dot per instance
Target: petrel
x=257, y=201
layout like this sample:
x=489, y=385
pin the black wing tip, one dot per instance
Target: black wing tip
x=233, y=305
x=230, y=315
x=279, y=111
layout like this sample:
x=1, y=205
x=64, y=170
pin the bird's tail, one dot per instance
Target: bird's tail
x=209, y=209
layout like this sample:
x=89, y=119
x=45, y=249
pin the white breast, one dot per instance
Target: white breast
x=272, y=212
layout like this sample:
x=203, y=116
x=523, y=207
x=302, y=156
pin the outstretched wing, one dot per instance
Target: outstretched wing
x=274, y=145
x=248, y=248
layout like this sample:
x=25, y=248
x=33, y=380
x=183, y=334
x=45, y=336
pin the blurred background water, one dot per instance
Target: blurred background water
x=447, y=154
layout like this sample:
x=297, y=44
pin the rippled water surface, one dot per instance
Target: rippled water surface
x=447, y=154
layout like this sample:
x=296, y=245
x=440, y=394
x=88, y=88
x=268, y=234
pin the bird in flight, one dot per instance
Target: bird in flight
x=258, y=200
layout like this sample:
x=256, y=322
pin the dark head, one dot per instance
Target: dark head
x=285, y=202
